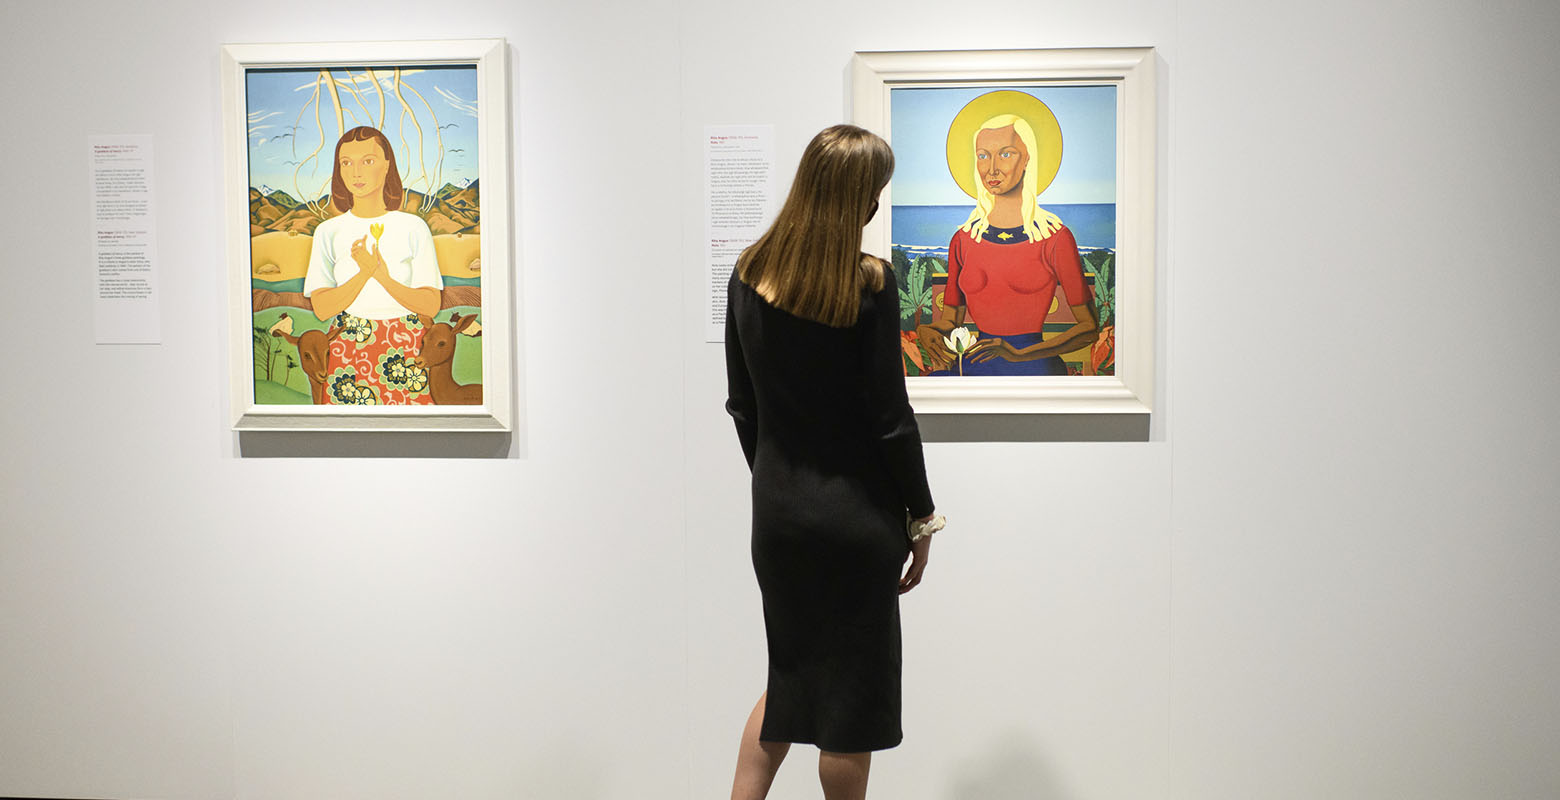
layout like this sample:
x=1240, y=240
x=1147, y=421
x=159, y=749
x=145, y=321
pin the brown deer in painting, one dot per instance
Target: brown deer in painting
x=437, y=355
x=313, y=349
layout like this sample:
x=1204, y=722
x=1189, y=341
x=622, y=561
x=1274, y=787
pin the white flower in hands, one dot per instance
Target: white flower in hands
x=960, y=340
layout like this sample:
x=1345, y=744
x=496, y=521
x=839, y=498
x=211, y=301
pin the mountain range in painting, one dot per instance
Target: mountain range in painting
x=452, y=209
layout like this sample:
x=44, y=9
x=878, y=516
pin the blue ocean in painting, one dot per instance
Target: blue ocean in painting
x=296, y=285
x=927, y=229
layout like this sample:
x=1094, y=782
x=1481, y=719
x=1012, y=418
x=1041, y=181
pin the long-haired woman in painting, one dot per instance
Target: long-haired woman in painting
x=373, y=272
x=818, y=395
x=1007, y=261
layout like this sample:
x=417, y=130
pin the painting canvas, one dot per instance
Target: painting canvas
x=1019, y=224
x=1004, y=229
x=365, y=252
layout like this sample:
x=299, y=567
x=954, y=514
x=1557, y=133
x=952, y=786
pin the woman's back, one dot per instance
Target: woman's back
x=833, y=397
x=808, y=378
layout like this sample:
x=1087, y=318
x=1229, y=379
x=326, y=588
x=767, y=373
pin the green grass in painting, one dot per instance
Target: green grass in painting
x=467, y=367
x=271, y=394
x=280, y=352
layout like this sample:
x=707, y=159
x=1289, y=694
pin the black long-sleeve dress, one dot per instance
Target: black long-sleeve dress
x=836, y=459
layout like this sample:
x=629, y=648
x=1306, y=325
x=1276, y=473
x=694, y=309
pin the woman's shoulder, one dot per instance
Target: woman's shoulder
x=333, y=225
x=735, y=287
x=406, y=219
x=881, y=291
x=335, y=221
x=874, y=268
x=1050, y=225
x=1057, y=235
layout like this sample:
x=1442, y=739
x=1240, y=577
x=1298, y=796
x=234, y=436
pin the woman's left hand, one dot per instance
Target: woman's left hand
x=370, y=261
x=381, y=269
x=993, y=347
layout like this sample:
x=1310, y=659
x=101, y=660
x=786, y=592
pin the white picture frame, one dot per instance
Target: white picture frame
x=1129, y=390
x=370, y=66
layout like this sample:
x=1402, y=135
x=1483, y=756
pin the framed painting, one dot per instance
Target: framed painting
x=1020, y=224
x=367, y=209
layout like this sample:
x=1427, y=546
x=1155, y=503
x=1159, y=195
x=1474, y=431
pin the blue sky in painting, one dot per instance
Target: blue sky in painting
x=285, y=121
x=919, y=129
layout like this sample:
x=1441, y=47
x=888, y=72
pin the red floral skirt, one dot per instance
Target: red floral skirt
x=370, y=363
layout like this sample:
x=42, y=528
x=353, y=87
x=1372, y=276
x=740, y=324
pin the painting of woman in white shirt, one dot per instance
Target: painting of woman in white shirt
x=373, y=271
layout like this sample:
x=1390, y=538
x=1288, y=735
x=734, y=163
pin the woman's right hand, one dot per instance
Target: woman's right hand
x=368, y=261
x=918, y=554
x=934, y=341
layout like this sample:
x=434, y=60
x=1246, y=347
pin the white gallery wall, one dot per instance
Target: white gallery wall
x=1330, y=571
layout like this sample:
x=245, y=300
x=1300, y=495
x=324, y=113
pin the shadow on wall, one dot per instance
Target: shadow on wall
x=378, y=444
x=1013, y=769
x=1034, y=427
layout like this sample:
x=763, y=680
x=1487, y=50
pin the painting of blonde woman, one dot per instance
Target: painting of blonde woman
x=1003, y=229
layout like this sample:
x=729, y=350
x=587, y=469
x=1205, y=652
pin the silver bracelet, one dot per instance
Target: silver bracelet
x=920, y=529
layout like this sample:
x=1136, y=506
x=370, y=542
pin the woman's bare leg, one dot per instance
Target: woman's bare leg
x=844, y=775
x=757, y=762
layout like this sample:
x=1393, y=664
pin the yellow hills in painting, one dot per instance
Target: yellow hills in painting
x=284, y=255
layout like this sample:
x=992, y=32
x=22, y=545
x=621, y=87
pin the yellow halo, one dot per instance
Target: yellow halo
x=961, y=136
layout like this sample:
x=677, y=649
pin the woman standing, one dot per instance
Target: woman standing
x=818, y=395
x=373, y=268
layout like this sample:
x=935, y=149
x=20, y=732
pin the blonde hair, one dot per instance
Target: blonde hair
x=809, y=263
x=1038, y=223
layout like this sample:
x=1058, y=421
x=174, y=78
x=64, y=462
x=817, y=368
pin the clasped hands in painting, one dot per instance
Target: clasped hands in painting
x=369, y=261
x=933, y=338
x=934, y=341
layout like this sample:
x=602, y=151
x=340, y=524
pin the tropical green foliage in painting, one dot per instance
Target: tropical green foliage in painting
x=1102, y=263
x=917, y=282
x=916, y=297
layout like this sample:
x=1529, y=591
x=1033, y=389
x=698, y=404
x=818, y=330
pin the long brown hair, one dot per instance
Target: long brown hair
x=340, y=196
x=809, y=263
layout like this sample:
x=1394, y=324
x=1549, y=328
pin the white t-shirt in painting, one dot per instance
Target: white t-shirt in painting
x=406, y=245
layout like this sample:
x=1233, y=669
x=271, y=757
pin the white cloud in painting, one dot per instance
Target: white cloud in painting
x=468, y=107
